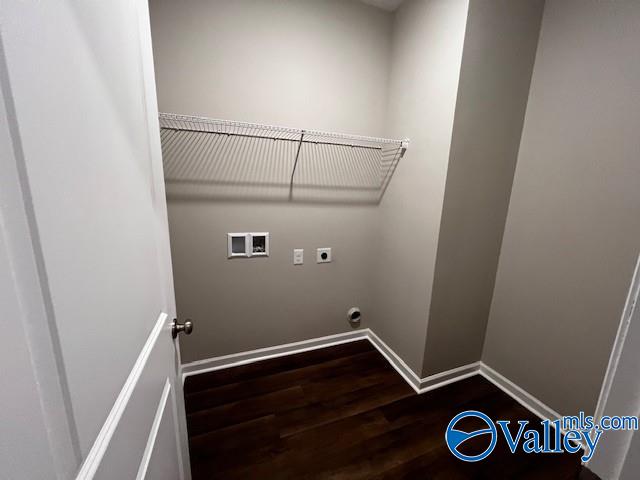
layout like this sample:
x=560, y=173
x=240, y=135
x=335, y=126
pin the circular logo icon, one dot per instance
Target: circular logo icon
x=455, y=438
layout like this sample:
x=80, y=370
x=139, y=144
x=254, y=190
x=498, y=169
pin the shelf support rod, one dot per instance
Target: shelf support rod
x=295, y=165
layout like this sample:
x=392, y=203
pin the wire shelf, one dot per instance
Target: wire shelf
x=228, y=159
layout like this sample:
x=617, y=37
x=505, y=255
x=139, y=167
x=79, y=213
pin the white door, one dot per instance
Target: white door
x=618, y=453
x=85, y=282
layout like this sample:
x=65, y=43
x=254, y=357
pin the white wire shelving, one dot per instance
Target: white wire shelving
x=229, y=159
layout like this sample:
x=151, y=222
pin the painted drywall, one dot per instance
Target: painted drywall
x=305, y=64
x=96, y=197
x=499, y=51
x=389, y=5
x=571, y=237
x=426, y=54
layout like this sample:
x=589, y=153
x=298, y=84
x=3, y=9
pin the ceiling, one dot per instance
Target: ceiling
x=389, y=5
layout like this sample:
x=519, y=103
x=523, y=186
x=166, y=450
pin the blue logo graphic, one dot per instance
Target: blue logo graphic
x=455, y=438
x=572, y=434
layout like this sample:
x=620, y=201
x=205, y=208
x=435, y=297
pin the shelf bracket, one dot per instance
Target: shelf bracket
x=403, y=147
x=295, y=165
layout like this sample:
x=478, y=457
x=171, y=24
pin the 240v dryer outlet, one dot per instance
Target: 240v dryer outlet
x=323, y=255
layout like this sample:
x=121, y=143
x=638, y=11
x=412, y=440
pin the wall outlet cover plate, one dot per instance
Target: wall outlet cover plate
x=323, y=255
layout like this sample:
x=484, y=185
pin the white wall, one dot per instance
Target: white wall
x=307, y=64
x=426, y=55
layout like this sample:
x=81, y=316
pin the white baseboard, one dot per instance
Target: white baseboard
x=394, y=359
x=251, y=356
x=520, y=395
x=420, y=385
x=441, y=379
x=524, y=398
x=426, y=384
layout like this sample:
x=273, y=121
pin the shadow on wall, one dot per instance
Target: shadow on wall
x=243, y=163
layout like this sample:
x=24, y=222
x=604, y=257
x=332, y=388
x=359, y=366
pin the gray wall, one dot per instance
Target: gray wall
x=306, y=64
x=497, y=61
x=425, y=67
x=571, y=238
x=568, y=245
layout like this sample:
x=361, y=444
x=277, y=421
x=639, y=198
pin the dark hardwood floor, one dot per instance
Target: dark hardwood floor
x=344, y=413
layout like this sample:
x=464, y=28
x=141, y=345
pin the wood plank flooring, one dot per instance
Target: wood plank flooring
x=344, y=413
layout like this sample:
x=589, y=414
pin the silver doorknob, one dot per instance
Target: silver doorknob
x=176, y=327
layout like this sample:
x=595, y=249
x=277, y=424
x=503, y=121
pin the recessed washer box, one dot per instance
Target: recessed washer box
x=248, y=244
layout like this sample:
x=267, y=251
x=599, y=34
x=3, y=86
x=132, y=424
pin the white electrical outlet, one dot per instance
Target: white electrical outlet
x=323, y=255
x=298, y=256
